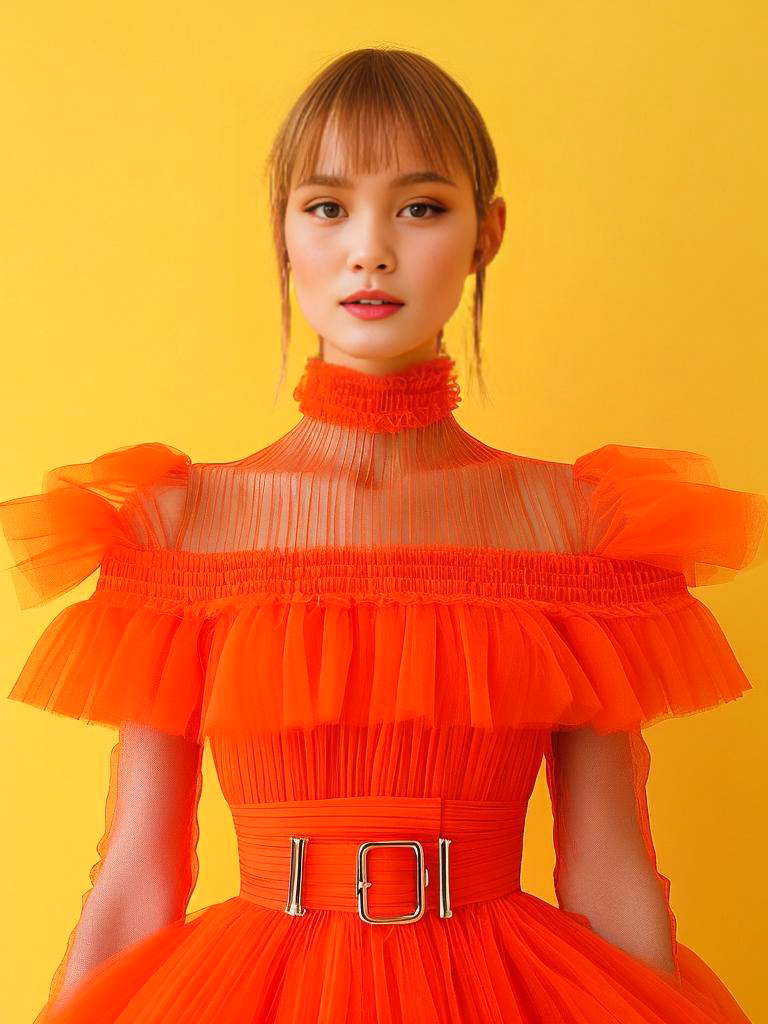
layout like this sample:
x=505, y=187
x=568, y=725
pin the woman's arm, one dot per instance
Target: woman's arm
x=140, y=886
x=605, y=871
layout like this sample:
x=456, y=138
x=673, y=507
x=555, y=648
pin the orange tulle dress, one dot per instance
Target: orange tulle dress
x=380, y=624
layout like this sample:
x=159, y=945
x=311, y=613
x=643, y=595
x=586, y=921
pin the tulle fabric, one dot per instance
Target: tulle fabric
x=57, y=539
x=358, y=637
x=692, y=977
x=515, y=959
x=378, y=581
x=178, y=845
x=666, y=506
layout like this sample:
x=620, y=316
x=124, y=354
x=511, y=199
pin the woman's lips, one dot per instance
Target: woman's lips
x=367, y=311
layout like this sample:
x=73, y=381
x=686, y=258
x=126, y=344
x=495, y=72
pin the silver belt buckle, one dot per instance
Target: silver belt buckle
x=422, y=880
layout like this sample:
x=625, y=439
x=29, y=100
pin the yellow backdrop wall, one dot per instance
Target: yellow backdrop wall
x=627, y=305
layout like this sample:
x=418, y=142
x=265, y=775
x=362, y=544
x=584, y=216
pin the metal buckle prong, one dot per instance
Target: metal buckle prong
x=293, y=906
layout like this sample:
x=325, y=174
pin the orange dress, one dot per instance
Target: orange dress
x=379, y=623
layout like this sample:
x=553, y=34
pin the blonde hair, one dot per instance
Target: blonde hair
x=387, y=86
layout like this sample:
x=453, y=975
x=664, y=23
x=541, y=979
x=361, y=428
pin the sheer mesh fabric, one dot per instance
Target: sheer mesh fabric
x=147, y=864
x=379, y=602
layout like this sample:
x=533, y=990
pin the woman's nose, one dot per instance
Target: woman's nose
x=370, y=249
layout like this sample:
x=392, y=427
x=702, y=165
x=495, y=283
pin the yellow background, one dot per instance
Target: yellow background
x=139, y=303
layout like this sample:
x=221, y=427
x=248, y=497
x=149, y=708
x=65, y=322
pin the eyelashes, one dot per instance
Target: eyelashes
x=434, y=207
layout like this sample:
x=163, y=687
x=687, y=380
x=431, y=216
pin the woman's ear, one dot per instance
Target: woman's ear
x=491, y=233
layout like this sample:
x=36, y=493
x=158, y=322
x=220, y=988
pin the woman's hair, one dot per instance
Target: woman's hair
x=392, y=88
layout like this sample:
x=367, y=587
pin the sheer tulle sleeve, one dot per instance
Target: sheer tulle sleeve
x=123, y=660
x=655, y=511
x=123, y=654
x=665, y=508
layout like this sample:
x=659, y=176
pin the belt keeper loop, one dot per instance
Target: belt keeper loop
x=443, y=850
x=293, y=906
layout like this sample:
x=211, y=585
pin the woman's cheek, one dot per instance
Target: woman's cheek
x=443, y=271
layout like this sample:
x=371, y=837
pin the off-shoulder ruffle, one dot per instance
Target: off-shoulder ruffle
x=513, y=663
x=106, y=662
x=197, y=643
x=305, y=654
x=666, y=507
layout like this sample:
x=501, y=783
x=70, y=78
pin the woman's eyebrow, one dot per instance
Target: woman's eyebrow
x=411, y=178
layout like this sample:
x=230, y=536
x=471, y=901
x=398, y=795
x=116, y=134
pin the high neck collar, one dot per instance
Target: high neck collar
x=416, y=396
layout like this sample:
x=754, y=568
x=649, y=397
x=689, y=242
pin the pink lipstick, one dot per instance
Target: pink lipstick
x=371, y=304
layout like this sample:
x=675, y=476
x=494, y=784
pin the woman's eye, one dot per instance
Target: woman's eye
x=424, y=206
x=324, y=206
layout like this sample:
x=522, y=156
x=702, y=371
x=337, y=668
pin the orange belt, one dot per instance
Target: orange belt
x=388, y=858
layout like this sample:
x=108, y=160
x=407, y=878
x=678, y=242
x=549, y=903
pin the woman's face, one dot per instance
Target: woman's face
x=414, y=239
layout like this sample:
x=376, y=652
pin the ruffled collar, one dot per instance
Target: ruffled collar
x=416, y=396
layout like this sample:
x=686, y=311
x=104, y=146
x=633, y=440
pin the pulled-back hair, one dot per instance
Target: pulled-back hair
x=393, y=88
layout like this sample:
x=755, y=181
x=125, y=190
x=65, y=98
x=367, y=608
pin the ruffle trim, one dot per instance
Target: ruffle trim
x=416, y=396
x=266, y=663
x=59, y=537
x=665, y=507
x=107, y=663
x=298, y=664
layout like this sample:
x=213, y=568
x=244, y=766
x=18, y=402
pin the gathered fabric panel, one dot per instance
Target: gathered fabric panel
x=513, y=959
x=301, y=662
x=270, y=661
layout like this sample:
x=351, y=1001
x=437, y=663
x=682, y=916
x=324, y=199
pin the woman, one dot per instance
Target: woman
x=382, y=625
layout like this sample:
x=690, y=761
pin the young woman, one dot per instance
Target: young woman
x=382, y=626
